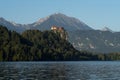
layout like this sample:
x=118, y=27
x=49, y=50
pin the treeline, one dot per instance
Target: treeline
x=34, y=45
x=109, y=56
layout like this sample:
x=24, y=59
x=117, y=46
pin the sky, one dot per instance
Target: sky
x=95, y=13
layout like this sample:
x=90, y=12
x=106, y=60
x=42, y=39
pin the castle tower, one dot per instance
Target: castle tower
x=61, y=31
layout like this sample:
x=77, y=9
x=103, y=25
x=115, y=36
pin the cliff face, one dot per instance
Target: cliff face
x=61, y=31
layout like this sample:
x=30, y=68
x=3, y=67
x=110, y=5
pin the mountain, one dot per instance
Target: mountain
x=81, y=36
x=96, y=41
x=12, y=25
x=58, y=19
x=69, y=23
x=106, y=29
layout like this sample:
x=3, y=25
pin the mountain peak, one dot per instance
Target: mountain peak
x=41, y=20
x=58, y=14
x=106, y=29
x=59, y=19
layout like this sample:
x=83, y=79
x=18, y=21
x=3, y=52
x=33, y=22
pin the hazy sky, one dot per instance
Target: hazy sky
x=95, y=13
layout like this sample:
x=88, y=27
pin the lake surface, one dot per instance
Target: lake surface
x=80, y=70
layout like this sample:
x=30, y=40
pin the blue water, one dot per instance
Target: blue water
x=81, y=70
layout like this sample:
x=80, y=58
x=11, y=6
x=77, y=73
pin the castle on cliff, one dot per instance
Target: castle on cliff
x=61, y=31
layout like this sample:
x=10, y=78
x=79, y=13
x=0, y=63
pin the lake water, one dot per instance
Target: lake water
x=80, y=70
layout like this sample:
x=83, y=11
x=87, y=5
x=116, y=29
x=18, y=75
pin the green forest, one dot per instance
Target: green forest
x=35, y=45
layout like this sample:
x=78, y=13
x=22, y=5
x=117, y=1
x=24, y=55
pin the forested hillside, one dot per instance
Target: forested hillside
x=34, y=45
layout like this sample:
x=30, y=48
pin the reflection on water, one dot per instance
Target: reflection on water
x=60, y=70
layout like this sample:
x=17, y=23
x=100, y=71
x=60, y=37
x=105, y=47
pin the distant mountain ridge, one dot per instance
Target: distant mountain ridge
x=12, y=25
x=58, y=19
x=69, y=23
x=81, y=36
x=106, y=29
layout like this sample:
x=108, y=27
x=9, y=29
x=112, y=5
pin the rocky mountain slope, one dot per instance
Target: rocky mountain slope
x=96, y=40
x=69, y=23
